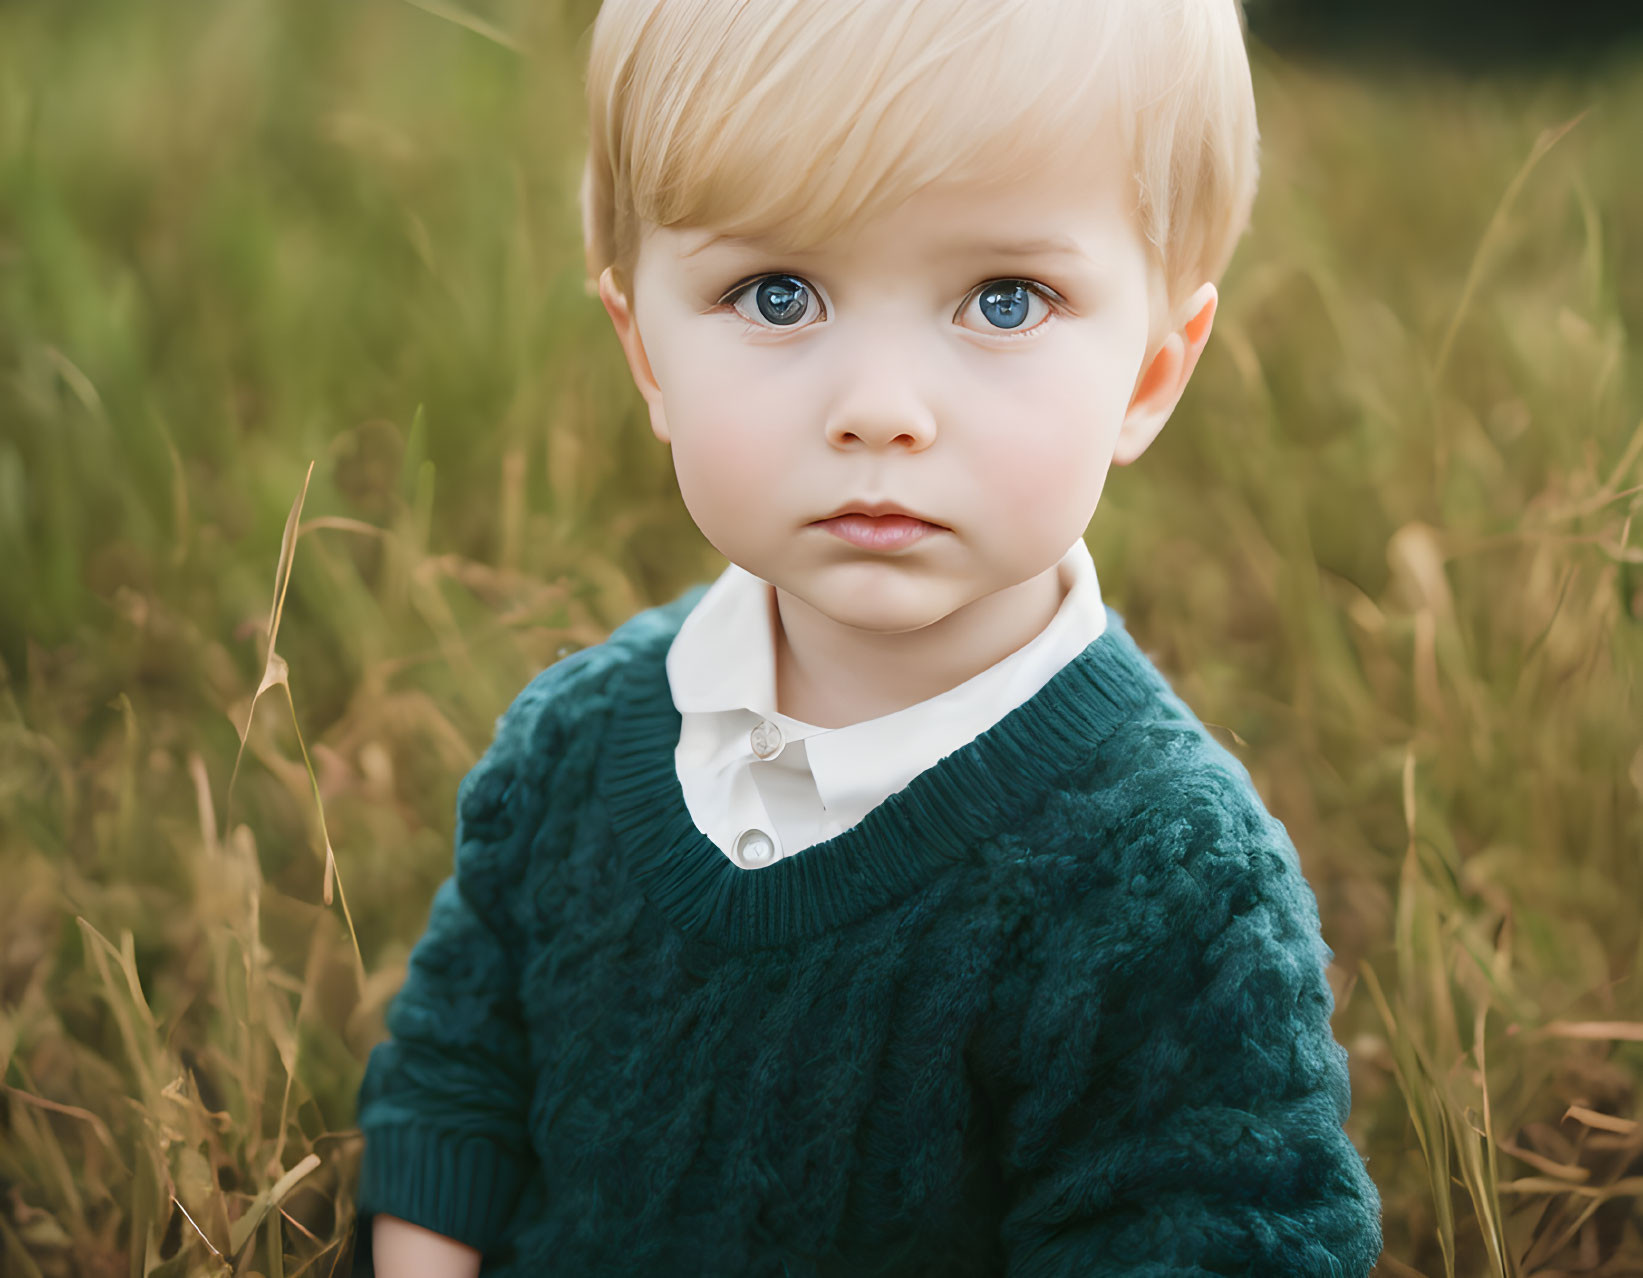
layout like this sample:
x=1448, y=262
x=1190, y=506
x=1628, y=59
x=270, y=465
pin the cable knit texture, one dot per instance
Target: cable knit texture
x=1058, y=1007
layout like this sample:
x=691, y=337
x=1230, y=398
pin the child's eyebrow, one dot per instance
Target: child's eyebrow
x=1046, y=246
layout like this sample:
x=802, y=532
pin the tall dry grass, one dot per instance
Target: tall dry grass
x=1385, y=548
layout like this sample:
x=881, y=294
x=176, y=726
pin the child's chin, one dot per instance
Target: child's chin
x=899, y=607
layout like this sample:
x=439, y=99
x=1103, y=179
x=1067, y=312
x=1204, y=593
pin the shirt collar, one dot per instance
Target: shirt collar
x=724, y=656
x=723, y=659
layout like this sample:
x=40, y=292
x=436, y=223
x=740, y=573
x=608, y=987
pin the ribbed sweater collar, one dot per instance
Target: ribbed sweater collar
x=937, y=820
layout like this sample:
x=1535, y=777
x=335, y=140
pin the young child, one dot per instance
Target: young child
x=880, y=910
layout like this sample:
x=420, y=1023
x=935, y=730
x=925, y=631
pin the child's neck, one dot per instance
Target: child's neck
x=834, y=675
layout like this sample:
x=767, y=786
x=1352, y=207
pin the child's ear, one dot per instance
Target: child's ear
x=633, y=346
x=1160, y=387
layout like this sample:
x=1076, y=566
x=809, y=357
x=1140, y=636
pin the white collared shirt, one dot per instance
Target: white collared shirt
x=763, y=786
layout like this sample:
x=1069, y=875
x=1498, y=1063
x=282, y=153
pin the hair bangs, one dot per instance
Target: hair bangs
x=815, y=136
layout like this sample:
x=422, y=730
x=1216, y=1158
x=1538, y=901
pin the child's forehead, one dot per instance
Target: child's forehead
x=1024, y=200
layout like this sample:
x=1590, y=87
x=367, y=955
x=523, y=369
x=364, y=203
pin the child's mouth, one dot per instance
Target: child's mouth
x=877, y=532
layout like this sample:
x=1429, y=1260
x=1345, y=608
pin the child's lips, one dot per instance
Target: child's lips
x=878, y=532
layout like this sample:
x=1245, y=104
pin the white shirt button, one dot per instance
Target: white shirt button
x=766, y=740
x=755, y=847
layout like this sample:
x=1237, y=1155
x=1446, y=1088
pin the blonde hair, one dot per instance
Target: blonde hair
x=792, y=119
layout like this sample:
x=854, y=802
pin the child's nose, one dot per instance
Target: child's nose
x=880, y=400
x=881, y=424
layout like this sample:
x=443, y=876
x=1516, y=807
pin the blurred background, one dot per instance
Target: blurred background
x=301, y=393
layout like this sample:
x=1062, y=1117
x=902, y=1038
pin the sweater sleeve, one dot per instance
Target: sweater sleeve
x=1175, y=1096
x=444, y=1101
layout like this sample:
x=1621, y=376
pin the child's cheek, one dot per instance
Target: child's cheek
x=1044, y=440
x=1028, y=481
x=747, y=410
x=733, y=442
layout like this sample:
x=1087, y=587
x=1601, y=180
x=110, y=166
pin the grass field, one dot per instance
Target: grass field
x=1385, y=549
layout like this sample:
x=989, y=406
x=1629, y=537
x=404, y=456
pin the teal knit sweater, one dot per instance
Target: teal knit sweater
x=1056, y=1007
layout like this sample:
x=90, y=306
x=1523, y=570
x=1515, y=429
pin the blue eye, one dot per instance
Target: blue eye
x=1004, y=305
x=1007, y=304
x=782, y=300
